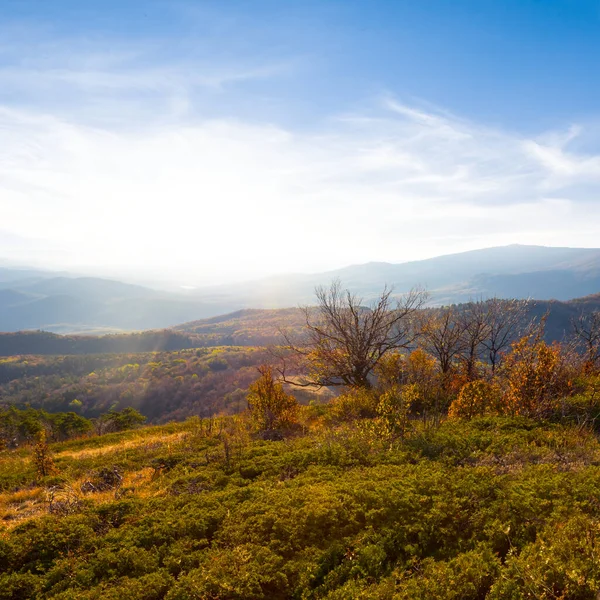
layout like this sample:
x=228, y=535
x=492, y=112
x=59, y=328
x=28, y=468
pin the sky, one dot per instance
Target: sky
x=213, y=141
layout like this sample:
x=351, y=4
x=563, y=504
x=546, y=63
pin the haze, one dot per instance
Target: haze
x=207, y=142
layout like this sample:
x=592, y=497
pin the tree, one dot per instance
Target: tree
x=441, y=332
x=42, y=457
x=68, y=425
x=506, y=321
x=270, y=406
x=474, y=329
x=346, y=339
x=587, y=333
x=113, y=420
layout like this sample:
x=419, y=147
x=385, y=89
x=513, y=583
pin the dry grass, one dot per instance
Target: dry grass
x=30, y=502
x=16, y=507
x=23, y=505
x=147, y=441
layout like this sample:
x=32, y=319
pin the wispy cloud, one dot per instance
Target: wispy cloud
x=120, y=165
x=96, y=78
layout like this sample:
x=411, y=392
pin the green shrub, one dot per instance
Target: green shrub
x=561, y=563
x=356, y=404
x=469, y=576
x=19, y=586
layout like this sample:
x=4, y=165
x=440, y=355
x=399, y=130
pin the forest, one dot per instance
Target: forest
x=387, y=452
x=249, y=327
x=162, y=385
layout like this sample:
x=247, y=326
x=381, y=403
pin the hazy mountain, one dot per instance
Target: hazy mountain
x=10, y=275
x=246, y=327
x=31, y=299
x=83, y=304
x=509, y=271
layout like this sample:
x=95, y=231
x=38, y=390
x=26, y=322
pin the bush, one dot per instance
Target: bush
x=536, y=376
x=469, y=576
x=476, y=399
x=19, y=586
x=359, y=403
x=561, y=563
x=271, y=408
x=392, y=412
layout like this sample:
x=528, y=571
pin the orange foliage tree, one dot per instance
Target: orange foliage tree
x=536, y=375
x=476, y=398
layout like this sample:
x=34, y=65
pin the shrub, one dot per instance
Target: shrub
x=42, y=457
x=561, y=563
x=270, y=406
x=19, y=586
x=536, y=376
x=476, y=399
x=469, y=576
x=392, y=412
x=358, y=403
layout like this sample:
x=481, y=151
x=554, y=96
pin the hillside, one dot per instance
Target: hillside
x=30, y=300
x=516, y=271
x=45, y=343
x=246, y=327
x=493, y=508
x=254, y=327
x=83, y=304
x=163, y=386
x=444, y=473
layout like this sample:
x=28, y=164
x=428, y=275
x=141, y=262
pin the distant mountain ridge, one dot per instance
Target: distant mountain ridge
x=33, y=299
x=246, y=327
x=519, y=271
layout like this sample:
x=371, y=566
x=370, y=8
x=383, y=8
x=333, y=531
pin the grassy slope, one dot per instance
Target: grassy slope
x=494, y=508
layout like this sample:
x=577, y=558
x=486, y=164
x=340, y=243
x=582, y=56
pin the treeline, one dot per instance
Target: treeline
x=46, y=343
x=19, y=427
x=242, y=328
x=436, y=353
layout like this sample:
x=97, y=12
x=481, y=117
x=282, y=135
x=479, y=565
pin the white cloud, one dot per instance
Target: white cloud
x=225, y=198
x=114, y=178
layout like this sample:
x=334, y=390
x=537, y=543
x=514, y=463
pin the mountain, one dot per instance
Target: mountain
x=515, y=271
x=89, y=304
x=31, y=299
x=246, y=327
x=254, y=327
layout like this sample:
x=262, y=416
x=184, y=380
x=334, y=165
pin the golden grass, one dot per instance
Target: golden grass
x=23, y=505
x=20, y=506
x=152, y=441
x=17, y=507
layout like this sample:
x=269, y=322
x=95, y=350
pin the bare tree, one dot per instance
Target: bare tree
x=474, y=329
x=346, y=338
x=506, y=320
x=441, y=334
x=587, y=332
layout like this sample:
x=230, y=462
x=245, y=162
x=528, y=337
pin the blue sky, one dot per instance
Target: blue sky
x=211, y=141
